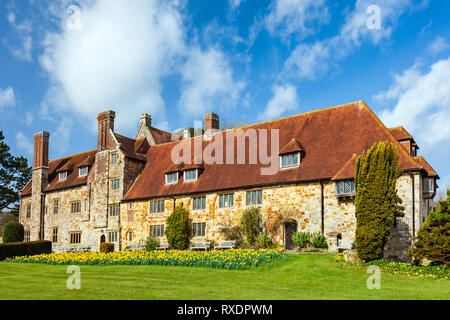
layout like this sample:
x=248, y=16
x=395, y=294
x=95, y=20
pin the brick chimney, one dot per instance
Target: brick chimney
x=105, y=123
x=41, y=149
x=39, y=184
x=145, y=120
x=211, y=124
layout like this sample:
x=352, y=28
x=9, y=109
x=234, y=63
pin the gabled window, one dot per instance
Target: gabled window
x=171, y=177
x=345, y=188
x=254, y=197
x=83, y=171
x=290, y=160
x=191, y=175
x=62, y=175
x=226, y=200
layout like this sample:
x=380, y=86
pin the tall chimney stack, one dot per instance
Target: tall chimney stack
x=211, y=123
x=105, y=123
x=145, y=120
x=41, y=149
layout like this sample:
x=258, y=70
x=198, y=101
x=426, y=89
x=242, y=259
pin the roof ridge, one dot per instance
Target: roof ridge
x=73, y=155
x=271, y=121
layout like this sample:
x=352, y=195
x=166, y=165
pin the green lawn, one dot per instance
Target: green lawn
x=300, y=277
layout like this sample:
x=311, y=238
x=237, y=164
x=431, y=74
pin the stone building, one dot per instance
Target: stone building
x=298, y=169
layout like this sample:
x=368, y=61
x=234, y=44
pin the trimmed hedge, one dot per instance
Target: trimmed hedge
x=106, y=247
x=19, y=249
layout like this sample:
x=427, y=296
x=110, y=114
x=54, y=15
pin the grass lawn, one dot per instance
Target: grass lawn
x=300, y=277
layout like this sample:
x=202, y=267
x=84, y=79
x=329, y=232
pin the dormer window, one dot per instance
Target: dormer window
x=171, y=177
x=62, y=175
x=191, y=175
x=290, y=160
x=83, y=171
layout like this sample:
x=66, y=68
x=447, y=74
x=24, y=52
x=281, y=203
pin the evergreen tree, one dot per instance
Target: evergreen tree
x=433, y=238
x=178, y=230
x=377, y=203
x=14, y=175
x=251, y=221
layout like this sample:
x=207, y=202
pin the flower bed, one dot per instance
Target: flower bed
x=228, y=259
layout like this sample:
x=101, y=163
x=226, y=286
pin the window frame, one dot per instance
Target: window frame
x=297, y=164
x=343, y=185
x=80, y=171
x=199, y=229
x=256, y=197
x=157, y=230
x=28, y=211
x=115, y=184
x=157, y=206
x=113, y=158
x=172, y=174
x=222, y=200
x=27, y=236
x=190, y=179
x=195, y=205
x=55, y=206
x=77, y=204
x=60, y=175
x=55, y=235
x=75, y=237
x=113, y=236
x=114, y=210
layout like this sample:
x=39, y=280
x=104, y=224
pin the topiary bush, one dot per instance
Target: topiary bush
x=433, y=238
x=13, y=232
x=18, y=249
x=106, y=247
x=377, y=204
x=178, y=228
x=301, y=239
x=251, y=221
x=38, y=247
x=318, y=240
x=151, y=244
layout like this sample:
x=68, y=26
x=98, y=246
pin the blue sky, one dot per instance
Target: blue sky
x=62, y=62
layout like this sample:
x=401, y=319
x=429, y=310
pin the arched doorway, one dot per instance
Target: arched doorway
x=290, y=228
x=102, y=239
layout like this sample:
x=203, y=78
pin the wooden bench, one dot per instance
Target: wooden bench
x=162, y=246
x=200, y=245
x=228, y=244
x=133, y=247
x=345, y=245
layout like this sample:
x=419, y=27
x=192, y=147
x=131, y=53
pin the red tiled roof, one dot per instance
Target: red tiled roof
x=400, y=133
x=130, y=146
x=292, y=146
x=160, y=136
x=63, y=164
x=426, y=166
x=348, y=170
x=330, y=137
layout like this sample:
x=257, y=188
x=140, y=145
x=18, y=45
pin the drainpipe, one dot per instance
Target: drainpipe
x=413, y=208
x=42, y=217
x=322, y=209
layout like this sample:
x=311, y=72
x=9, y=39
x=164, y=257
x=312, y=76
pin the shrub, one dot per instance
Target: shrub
x=106, y=247
x=151, y=244
x=264, y=242
x=377, y=204
x=13, y=232
x=178, y=229
x=301, y=239
x=318, y=240
x=18, y=249
x=250, y=223
x=433, y=238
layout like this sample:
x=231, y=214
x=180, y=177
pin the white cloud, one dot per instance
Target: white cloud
x=235, y=3
x=438, y=45
x=422, y=103
x=7, y=97
x=284, y=99
x=114, y=59
x=21, y=33
x=311, y=61
x=301, y=17
x=207, y=82
x=24, y=143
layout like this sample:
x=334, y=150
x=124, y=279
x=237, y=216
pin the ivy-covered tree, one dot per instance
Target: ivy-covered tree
x=14, y=175
x=433, y=238
x=377, y=203
x=178, y=228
